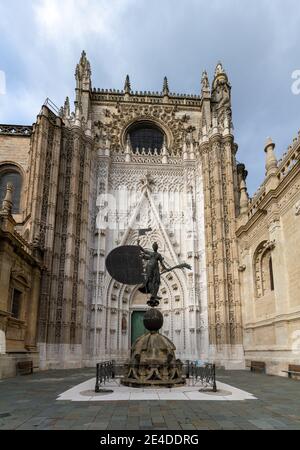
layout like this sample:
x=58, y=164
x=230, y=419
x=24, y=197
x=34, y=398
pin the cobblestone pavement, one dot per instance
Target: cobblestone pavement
x=28, y=403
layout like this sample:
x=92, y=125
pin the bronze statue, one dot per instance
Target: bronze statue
x=153, y=361
x=125, y=265
x=153, y=273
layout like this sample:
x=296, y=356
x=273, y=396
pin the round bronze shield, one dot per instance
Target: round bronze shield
x=124, y=264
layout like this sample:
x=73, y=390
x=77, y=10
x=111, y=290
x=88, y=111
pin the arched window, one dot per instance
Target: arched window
x=263, y=270
x=10, y=174
x=147, y=137
x=271, y=274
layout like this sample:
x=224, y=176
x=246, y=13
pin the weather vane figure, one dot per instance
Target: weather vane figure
x=153, y=273
x=134, y=265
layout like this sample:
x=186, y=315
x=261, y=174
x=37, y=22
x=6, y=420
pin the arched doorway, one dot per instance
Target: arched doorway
x=137, y=325
x=138, y=309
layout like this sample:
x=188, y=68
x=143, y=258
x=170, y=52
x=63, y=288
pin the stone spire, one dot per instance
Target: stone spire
x=7, y=203
x=185, y=148
x=66, y=108
x=166, y=90
x=205, y=83
x=244, y=197
x=127, y=86
x=164, y=152
x=83, y=75
x=128, y=150
x=271, y=161
x=7, y=222
x=83, y=72
x=206, y=105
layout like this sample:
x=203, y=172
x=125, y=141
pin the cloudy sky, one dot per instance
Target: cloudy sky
x=258, y=43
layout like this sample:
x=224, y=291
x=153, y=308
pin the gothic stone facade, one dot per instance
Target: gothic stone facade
x=268, y=232
x=87, y=188
x=20, y=275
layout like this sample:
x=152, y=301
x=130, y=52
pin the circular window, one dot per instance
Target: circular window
x=146, y=137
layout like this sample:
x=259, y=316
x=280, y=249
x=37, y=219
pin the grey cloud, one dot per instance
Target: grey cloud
x=257, y=41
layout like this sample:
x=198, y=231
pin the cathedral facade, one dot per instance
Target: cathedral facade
x=141, y=167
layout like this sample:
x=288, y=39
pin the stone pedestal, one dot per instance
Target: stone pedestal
x=153, y=361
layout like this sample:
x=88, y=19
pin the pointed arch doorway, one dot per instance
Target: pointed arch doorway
x=137, y=325
x=138, y=309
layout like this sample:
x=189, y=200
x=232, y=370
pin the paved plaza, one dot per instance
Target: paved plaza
x=64, y=400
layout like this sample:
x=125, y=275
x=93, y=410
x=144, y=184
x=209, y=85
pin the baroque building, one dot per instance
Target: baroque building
x=128, y=167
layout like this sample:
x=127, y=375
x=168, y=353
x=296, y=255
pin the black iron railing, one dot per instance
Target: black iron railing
x=202, y=374
x=105, y=372
x=198, y=375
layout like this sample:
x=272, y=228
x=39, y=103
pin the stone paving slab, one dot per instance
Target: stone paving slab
x=30, y=403
x=84, y=392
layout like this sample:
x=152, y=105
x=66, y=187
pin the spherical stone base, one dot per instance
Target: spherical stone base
x=153, y=363
x=153, y=320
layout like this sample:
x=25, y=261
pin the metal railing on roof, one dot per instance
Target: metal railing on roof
x=52, y=106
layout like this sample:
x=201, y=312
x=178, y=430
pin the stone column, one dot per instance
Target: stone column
x=271, y=166
x=5, y=270
x=41, y=143
x=32, y=313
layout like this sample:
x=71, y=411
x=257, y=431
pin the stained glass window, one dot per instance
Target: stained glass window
x=146, y=136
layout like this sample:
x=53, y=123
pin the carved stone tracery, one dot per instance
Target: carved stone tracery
x=116, y=128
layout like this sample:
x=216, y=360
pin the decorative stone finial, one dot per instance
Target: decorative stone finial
x=166, y=90
x=67, y=107
x=83, y=69
x=128, y=150
x=205, y=82
x=242, y=172
x=244, y=198
x=83, y=85
x=164, y=152
x=219, y=69
x=7, y=203
x=271, y=161
x=185, y=148
x=127, y=86
x=220, y=76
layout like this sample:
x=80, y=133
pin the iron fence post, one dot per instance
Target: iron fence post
x=214, y=382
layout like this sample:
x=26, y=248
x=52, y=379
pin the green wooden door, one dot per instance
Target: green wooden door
x=137, y=325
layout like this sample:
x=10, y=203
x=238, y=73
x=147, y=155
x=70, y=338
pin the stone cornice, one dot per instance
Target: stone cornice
x=18, y=249
x=290, y=317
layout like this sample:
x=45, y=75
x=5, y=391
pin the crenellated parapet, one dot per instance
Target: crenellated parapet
x=114, y=95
